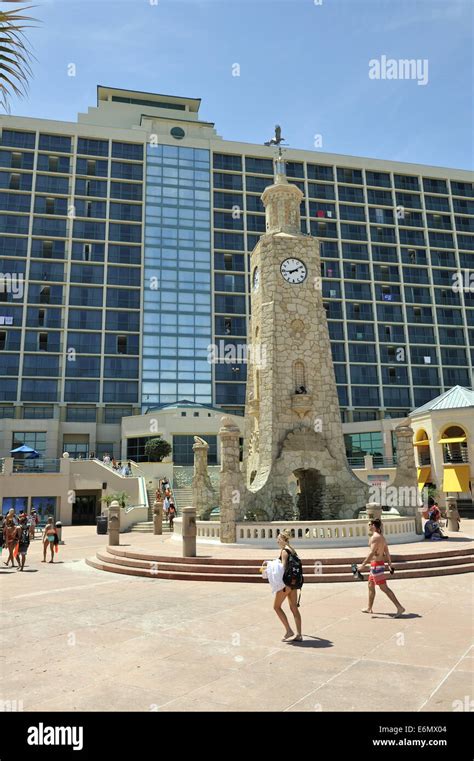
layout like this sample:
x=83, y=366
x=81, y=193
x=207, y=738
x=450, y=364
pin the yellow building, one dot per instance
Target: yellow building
x=444, y=444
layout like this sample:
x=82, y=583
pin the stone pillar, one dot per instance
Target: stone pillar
x=452, y=514
x=114, y=523
x=374, y=510
x=189, y=532
x=203, y=493
x=231, y=485
x=406, y=481
x=158, y=516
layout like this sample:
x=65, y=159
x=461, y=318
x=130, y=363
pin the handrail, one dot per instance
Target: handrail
x=129, y=508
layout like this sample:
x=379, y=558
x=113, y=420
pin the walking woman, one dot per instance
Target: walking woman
x=287, y=592
x=49, y=539
x=10, y=537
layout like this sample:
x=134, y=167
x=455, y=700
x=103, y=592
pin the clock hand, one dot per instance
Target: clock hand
x=290, y=272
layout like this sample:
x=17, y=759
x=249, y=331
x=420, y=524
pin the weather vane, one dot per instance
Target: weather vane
x=278, y=139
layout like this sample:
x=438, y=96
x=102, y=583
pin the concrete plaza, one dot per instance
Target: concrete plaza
x=76, y=638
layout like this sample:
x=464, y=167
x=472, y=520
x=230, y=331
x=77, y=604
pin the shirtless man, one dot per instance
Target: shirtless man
x=379, y=551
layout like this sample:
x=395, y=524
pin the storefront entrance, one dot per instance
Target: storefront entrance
x=85, y=510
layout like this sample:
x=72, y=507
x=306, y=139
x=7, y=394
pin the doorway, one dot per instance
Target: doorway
x=85, y=510
x=310, y=494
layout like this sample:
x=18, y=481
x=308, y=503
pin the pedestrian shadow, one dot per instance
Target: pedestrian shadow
x=390, y=616
x=30, y=570
x=314, y=642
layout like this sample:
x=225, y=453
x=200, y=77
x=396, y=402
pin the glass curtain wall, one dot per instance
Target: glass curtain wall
x=177, y=283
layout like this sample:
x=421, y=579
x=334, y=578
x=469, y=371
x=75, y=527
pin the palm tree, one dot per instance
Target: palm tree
x=14, y=53
x=121, y=496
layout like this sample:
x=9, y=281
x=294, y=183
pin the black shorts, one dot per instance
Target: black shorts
x=23, y=549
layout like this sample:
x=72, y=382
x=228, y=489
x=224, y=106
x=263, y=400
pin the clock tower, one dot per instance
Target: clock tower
x=294, y=458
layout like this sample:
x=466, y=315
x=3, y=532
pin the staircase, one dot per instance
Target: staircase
x=146, y=527
x=411, y=566
x=151, y=491
x=183, y=497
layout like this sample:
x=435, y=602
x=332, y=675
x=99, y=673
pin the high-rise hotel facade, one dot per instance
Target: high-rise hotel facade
x=124, y=246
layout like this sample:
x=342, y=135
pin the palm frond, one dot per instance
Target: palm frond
x=15, y=55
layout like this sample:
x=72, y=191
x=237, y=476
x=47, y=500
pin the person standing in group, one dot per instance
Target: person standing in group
x=49, y=539
x=287, y=592
x=23, y=542
x=171, y=514
x=33, y=522
x=166, y=507
x=10, y=540
x=106, y=459
x=378, y=551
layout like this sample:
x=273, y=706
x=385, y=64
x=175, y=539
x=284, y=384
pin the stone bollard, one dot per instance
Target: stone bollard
x=158, y=517
x=374, y=510
x=114, y=523
x=189, y=532
x=452, y=515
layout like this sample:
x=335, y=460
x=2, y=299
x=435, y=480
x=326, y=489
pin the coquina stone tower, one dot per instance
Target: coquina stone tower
x=294, y=459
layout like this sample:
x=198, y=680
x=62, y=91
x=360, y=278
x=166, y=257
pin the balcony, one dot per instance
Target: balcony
x=40, y=465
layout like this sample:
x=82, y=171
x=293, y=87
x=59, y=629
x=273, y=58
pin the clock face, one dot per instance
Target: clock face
x=293, y=271
x=256, y=278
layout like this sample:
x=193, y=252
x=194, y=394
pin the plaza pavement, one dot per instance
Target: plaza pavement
x=75, y=638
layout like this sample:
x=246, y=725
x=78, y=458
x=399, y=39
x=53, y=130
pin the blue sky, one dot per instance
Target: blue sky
x=302, y=64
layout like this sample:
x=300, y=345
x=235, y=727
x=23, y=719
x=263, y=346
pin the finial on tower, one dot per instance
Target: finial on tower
x=280, y=164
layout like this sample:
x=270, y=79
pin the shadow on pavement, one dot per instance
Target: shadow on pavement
x=310, y=641
x=390, y=616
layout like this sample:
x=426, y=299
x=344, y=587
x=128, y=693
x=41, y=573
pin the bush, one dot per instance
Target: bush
x=157, y=449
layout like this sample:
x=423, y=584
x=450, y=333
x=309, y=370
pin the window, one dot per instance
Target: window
x=91, y=167
x=55, y=143
x=34, y=439
x=320, y=172
x=37, y=413
x=234, y=182
x=183, y=449
x=349, y=175
x=18, y=139
x=227, y=161
x=81, y=391
x=81, y=414
x=131, y=151
x=92, y=147
x=259, y=166
x=115, y=414
x=380, y=179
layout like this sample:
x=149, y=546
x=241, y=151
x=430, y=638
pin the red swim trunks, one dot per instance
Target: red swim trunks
x=377, y=572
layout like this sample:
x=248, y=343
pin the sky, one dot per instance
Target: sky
x=304, y=64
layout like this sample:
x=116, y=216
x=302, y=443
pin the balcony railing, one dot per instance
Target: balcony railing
x=40, y=465
x=456, y=458
x=378, y=461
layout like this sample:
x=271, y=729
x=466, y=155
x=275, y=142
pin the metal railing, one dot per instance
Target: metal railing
x=39, y=465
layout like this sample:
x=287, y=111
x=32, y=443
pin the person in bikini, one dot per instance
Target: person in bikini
x=378, y=551
x=286, y=592
x=10, y=535
x=49, y=536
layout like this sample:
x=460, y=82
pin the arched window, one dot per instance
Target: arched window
x=454, y=443
x=422, y=446
x=299, y=376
